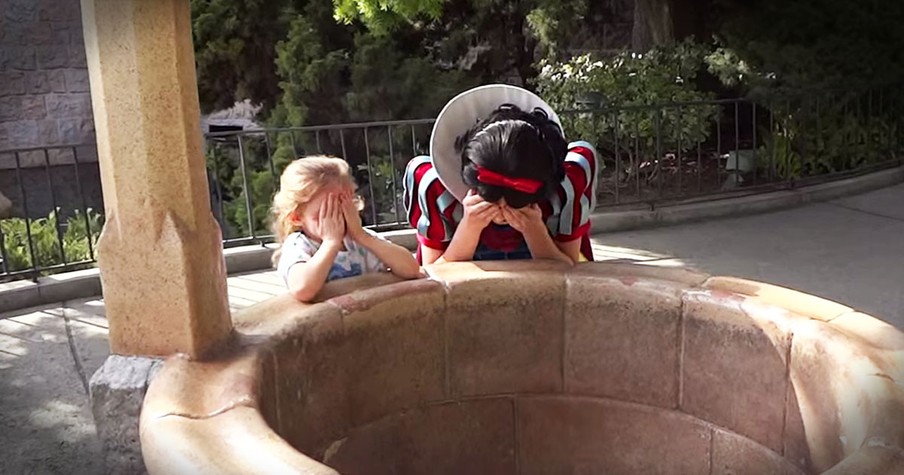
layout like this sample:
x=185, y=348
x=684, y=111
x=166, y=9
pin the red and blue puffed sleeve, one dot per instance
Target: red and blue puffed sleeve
x=432, y=210
x=575, y=199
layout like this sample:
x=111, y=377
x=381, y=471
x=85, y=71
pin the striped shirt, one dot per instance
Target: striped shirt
x=435, y=213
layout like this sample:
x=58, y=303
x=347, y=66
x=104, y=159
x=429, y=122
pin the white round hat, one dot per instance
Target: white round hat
x=463, y=112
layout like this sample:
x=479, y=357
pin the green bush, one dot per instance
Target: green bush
x=45, y=238
x=386, y=203
x=632, y=90
x=224, y=163
x=836, y=134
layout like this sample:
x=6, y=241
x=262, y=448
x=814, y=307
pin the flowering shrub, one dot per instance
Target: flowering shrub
x=624, y=103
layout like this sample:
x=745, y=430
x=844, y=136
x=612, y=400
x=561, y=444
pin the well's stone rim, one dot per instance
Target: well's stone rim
x=261, y=336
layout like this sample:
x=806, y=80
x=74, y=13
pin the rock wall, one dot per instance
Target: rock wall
x=45, y=102
x=44, y=89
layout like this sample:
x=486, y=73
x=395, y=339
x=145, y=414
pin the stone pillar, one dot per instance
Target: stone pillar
x=160, y=253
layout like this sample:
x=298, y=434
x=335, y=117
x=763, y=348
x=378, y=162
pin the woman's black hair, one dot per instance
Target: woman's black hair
x=517, y=144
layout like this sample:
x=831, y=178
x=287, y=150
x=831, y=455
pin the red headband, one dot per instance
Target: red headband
x=524, y=185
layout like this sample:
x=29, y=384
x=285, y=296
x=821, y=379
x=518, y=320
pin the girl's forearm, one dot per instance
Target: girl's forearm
x=306, y=279
x=396, y=257
x=463, y=245
x=542, y=246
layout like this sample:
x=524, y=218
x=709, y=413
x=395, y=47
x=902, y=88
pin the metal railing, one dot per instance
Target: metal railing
x=651, y=155
x=244, y=168
x=662, y=154
x=50, y=225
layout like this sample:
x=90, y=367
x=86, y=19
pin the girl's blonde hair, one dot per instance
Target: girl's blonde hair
x=299, y=183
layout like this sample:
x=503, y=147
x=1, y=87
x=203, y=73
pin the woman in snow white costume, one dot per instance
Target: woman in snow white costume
x=501, y=182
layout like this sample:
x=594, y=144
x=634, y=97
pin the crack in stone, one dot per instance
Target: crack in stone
x=870, y=213
x=884, y=376
x=246, y=401
x=74, y=351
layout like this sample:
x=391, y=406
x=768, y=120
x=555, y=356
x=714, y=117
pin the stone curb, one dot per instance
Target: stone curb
x=86, y=283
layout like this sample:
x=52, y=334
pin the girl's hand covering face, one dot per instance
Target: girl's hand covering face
x=477, y=211
x=524, y=220
x=351, y=216
x=332, y=221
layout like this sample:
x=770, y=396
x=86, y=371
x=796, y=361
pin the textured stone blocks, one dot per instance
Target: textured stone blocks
x=622, y=340
x=12, y=83
x=735, y=368
x=453, y=438
x=657, y=374
x=558, y=435
x=505, y=335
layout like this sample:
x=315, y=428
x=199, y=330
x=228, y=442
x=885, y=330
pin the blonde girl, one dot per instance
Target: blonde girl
x=316, y=222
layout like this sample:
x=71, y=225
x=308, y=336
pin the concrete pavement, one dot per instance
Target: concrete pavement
x=47, y=356
x=850, y=250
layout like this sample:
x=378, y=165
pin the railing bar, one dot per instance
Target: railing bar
x=659, y=158
x=699, y=166
x=270, y=160
x=753, y=144
x=56, y=209
x=737, y=140
x=637, y=160
x=678, y=152
x=31, y=244
x=773, y=151
x=395, y=194
x=38, y=149
x=219, y=188
x=317, y=128
x=718, y=149
x=617, y=158
x=246, y=188
x=81, y=193
x=370, y=174
x=294, y=146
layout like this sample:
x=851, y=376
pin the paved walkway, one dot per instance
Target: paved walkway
x=47, y=356
x=850, y=250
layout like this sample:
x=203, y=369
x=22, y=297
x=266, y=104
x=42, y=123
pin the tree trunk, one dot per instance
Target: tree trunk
x=524, y=44
x=652, y=24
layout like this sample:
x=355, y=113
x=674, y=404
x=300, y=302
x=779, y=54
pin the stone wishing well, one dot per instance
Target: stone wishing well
x=529, y=367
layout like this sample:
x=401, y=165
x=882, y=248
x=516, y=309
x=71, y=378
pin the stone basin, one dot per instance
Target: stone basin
x=537, y=368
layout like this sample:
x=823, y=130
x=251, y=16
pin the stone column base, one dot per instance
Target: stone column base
x=117, y=393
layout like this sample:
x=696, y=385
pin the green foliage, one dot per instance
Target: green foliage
x=632, y=87
x=832, y=136
x=234, y=51
x=45, y=237
x=225, y=163
x=777, y=156
x=387, y=199
x=311, y=61
x=553, y=22
x=330, y=62
x=387, y=84
x=813, y=63
x=383, y=16
x=814, y=44
x=731, y=70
